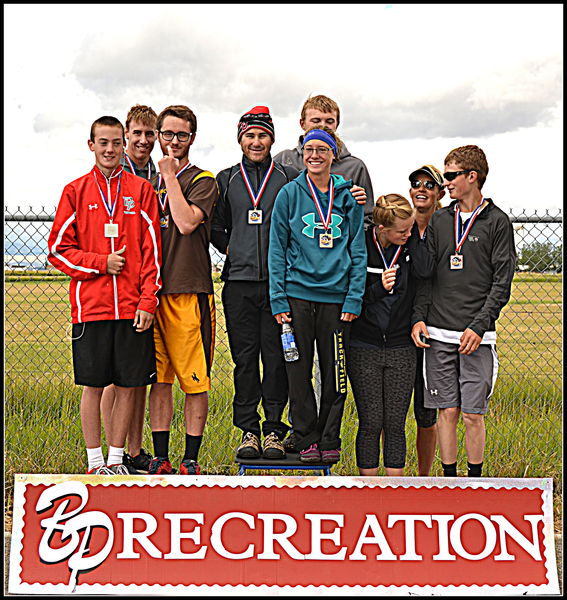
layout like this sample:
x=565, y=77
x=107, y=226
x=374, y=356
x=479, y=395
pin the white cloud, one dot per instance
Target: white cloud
x=412, y=81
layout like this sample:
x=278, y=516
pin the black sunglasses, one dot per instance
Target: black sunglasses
x=416, y=183
x=450, y=175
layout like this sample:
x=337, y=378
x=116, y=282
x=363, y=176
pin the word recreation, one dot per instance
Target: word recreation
x=355, y=531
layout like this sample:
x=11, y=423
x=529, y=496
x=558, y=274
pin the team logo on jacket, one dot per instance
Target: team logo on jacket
x=311, y=224
x=129, y=205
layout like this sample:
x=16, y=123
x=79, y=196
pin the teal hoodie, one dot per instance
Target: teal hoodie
x=298, y=267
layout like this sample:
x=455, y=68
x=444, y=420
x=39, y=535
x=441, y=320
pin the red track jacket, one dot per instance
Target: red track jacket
x=78, y=246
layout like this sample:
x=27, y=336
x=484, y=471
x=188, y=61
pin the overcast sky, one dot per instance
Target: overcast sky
x=413, y=82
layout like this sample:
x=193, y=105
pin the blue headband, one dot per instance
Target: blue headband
x=322, y=136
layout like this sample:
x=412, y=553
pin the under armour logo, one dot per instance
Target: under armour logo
x=194, y=377
x=433, y=392
x=312, y=225
x=92, y=206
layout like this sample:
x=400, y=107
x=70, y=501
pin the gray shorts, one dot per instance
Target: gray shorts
x=459, y=380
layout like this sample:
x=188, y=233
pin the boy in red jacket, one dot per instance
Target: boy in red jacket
x=105, y=236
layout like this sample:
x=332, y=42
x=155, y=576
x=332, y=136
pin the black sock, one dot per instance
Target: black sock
x=475, y=470
x=161, y=443
x=449, y=470
x=192, y=445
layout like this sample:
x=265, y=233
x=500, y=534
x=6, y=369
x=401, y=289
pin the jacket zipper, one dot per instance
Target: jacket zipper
x=114, y=283
x=259, y=233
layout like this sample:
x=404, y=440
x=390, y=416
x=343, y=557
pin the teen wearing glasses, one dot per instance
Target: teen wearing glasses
x=185, y=320
x=382, y=358
x=317, y=265
x=472, y=243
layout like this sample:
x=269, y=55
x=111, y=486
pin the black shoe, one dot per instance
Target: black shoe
x=289, y=444
x=142, y=461
x=128, y=462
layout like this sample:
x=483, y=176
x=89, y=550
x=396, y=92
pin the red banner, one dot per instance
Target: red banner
x=256, y=534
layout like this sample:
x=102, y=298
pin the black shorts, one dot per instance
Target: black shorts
x=425, y=417
x=106, y=352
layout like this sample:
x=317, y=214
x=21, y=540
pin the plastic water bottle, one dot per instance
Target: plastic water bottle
x=290, y=350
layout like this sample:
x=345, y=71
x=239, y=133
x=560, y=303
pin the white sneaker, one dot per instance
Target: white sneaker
x=118, y=470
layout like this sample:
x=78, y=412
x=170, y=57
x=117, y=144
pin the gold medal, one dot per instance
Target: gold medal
x=325, y=240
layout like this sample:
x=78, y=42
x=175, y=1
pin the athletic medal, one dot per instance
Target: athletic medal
x=163, y=203
x=111, y=230
x=325, y=240
x=456, y=262
x=133, y=168
x=255, y=214
x=164, y=221
x=254, y=217
x=382, y=255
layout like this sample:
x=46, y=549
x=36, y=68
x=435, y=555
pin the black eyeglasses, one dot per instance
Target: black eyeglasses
x=450, y=175
x=168, y=136
x=416, y=183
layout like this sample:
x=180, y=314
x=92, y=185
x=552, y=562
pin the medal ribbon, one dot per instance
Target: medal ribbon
x=133, y=168
x=379, y=247
x=164, y=203
x=256, y=198
x=110, y=207
x=325, y=220
x=461, y=237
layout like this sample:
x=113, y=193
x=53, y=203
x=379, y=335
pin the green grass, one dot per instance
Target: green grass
x=42, y=423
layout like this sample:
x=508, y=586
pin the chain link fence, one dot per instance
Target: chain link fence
x=42, y=421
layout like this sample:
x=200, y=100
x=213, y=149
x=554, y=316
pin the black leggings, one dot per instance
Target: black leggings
x=382, y=383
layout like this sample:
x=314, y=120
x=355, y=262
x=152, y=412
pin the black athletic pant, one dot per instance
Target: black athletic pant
x=253, y=333
x=317, y=321
x=382, y=380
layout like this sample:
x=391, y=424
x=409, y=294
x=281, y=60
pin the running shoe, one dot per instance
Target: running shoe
x=142, y=461
x=118, y=469
x=189, y=467
x=127, y=461
x=311, y=454
x=273, y=447
x=102, y=470
x=331, y=456
x=161, y=466
x=249, y=447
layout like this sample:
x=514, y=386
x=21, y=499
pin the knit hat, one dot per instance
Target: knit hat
x=430, y=170
x=259, y=116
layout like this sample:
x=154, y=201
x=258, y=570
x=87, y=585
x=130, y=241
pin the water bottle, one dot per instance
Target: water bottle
x=290, y=350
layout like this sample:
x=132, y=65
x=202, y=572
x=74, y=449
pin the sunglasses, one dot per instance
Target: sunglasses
x=450, y=175
x=416, y=183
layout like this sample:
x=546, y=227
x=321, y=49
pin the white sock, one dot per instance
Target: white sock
x=115, y=455
x=95, y=458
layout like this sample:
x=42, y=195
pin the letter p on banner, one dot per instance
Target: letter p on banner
x=262, y=536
